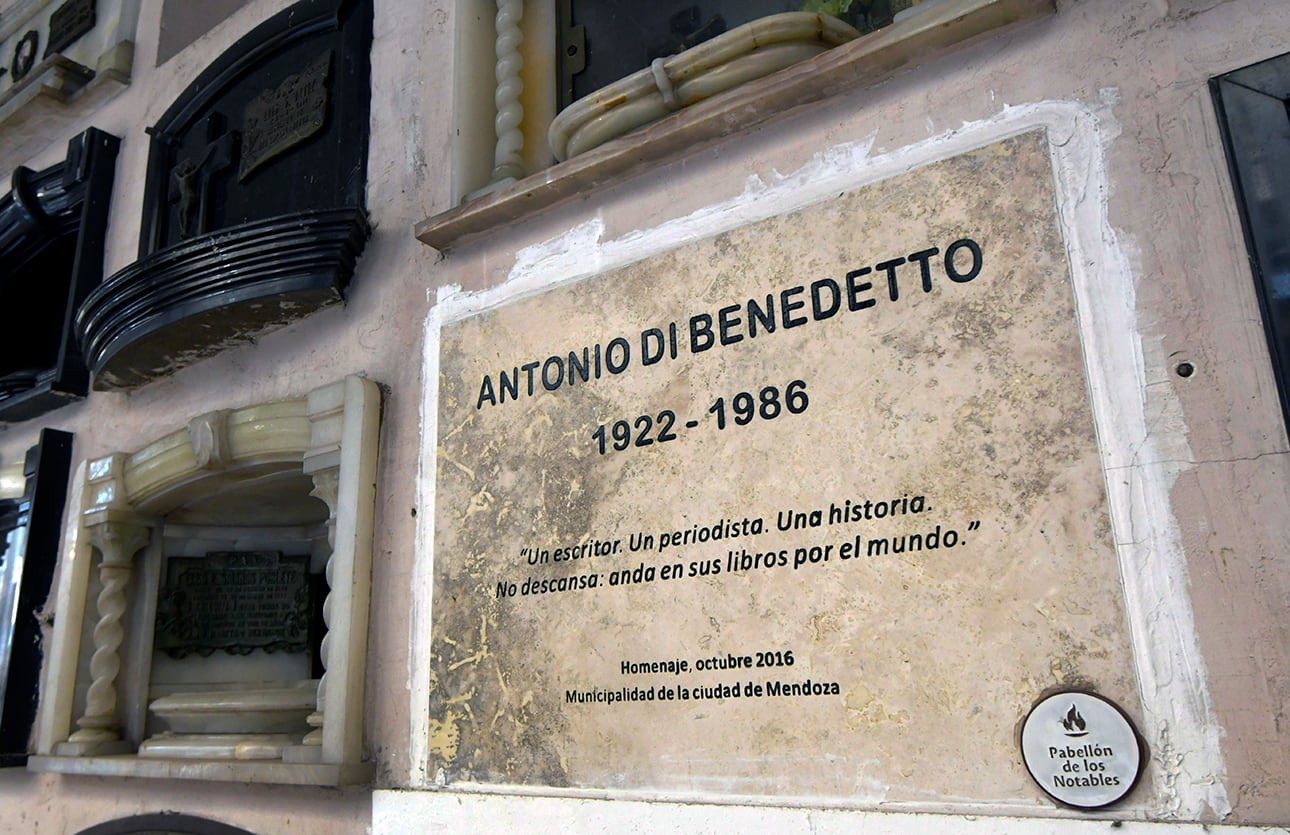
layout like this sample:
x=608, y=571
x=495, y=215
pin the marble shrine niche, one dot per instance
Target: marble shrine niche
x=52, y=227
x=254, y=205
x=33, y=494
x=212, y=608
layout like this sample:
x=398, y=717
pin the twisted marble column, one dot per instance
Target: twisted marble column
x=507, y=162
x=118, y=542
x=326, y=487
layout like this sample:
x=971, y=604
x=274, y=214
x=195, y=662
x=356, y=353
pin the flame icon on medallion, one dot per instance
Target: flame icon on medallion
x=1074, y=723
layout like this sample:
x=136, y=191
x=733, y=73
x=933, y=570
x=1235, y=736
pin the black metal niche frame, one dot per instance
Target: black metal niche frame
x=29, y=538
x=254, y=209
x=53, y=224
x=1253, y=109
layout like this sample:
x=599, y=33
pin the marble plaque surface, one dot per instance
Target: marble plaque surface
x=811, y=508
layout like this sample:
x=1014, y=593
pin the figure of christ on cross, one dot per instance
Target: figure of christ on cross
x=191, y=179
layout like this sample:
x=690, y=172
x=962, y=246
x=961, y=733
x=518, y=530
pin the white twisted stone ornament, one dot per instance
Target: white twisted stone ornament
x=326, y=487
x=117, y=542
x=507, y=161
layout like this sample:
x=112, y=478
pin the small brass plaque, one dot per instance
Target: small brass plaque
x=279, y=119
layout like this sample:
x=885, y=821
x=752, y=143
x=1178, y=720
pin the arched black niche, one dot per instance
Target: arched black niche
x=165, y=823
x=254, y=204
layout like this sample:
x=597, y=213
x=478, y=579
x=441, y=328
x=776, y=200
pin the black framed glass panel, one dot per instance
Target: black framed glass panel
x=29, y=534
x=1253, y=106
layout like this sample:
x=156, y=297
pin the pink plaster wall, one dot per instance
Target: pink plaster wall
x=1143, y=63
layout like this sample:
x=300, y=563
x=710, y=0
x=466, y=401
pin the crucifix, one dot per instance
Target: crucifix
x=191, y=178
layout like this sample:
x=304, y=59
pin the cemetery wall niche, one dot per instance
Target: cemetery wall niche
x=254, y=204
x=59, y=59
x=163, y=823
x=212, y=610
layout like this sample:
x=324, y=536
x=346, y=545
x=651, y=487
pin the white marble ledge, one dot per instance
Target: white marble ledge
x=230, y=711
x=863, y=62
x=296, y=774
x=415, y=812
x=266, y=699
x=239, y=747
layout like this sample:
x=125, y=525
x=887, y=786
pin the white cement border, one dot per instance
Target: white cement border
x=423, y=812
x=1180, y=726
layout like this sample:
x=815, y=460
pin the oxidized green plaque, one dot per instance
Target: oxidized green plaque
x=235, y=601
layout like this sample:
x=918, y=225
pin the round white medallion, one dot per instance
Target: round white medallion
x=1081, y=749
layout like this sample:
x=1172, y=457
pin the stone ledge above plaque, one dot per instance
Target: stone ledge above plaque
x=253, y=213
x=859, y=64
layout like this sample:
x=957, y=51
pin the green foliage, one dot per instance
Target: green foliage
x=836, y=8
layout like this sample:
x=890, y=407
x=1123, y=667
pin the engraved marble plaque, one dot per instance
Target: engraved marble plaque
x=811, y=508
x=235, y=601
